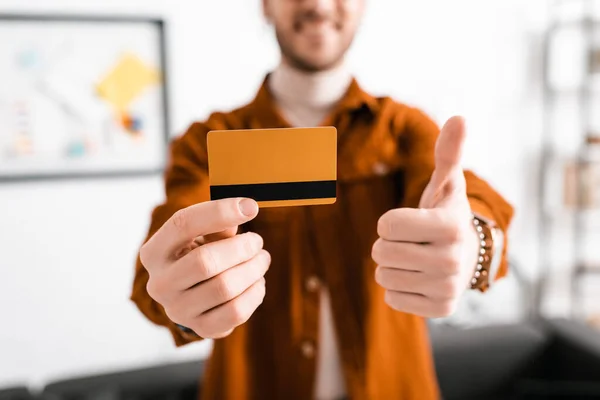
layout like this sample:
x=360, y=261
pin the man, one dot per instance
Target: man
x=324, y=302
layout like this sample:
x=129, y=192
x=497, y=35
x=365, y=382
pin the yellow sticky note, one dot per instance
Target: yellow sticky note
x=126, y=81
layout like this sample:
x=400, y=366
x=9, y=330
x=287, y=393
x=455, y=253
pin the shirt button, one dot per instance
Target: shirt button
x=380, y=169
x=308, y=349
x=312, y=284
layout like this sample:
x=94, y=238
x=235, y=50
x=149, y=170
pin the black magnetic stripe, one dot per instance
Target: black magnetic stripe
x=276, y=191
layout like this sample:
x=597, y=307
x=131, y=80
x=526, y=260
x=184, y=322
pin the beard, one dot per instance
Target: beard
x=305, y=63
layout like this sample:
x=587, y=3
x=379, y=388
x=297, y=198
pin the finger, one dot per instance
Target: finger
x=200, y=240
x=227, y=285
x=189, y=247
x=197, y=220
x=434, y=260
x=444, y=191
x=419, y=226
x=437, y=288
x=447, y=178
x=419, y=305
x=449, y=145
x=213, y=237
x=401, y=280
x=220, y=335
x=235, y=312
x=210, y=260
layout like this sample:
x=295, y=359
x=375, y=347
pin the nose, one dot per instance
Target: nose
x=323, y=6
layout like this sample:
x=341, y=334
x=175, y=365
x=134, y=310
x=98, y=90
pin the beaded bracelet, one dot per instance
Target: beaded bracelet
x=480, y=278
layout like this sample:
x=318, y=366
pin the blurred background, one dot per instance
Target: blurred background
x=78, y=182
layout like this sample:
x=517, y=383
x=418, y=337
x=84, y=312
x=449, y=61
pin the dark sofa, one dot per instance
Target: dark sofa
x=555, y=359
x=541, y=359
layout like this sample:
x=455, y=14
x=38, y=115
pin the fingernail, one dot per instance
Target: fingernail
x=248, y=207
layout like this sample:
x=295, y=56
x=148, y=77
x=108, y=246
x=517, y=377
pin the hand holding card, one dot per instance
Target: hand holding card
x=214, y=287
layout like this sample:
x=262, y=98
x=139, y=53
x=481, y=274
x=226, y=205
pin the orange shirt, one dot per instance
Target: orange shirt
x=385, y=158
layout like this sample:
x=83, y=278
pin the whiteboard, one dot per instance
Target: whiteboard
x=81, y=96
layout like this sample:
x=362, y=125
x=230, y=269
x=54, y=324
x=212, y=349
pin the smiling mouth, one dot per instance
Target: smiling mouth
x=315, y=28
x=315, y=25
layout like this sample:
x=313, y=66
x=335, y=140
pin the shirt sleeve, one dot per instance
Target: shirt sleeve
x=417, y=142
x=186, y=183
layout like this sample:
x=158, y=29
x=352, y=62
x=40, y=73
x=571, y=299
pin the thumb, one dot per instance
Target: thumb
x=449, y=146
x=447, y=176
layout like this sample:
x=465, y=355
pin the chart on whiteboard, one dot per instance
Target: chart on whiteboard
x=80, y=96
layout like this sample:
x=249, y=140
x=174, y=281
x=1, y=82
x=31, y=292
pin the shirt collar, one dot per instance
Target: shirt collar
x=354, y=99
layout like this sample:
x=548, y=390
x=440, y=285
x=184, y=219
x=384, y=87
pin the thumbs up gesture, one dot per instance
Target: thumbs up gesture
x=426, y=256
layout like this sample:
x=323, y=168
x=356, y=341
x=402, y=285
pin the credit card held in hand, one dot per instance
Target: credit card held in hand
x=275, y=167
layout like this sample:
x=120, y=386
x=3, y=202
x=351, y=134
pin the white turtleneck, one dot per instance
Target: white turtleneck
x=305, y=100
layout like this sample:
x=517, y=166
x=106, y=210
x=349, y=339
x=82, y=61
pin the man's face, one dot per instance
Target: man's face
x=314, y=35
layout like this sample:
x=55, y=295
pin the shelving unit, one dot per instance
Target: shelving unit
x=583, y=193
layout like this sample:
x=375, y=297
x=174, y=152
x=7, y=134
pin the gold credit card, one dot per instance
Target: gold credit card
x=275, y=167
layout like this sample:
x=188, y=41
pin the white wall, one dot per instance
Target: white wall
x=67, y=248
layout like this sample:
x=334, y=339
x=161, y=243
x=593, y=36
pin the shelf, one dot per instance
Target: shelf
x=576, y=23
x=573, y=91
x=592, y=215
x=589, y=89
x=587, y=269
x=572, y=75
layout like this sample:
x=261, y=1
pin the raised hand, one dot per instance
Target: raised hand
x=426, y=256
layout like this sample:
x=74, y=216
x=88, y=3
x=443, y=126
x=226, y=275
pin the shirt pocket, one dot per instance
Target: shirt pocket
x=371, y=158
x=366, y=200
